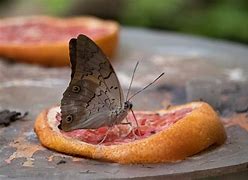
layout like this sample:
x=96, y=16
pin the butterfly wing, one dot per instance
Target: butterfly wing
x=94, y=90
x=73, y=55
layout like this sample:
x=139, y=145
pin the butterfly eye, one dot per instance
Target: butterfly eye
x=69, y=119
x=76, y=89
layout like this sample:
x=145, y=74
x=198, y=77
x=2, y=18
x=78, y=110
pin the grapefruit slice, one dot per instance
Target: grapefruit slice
x=44, y=40
x=165, y=135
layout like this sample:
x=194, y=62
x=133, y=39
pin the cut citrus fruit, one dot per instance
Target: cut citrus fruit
x=165, y=135
x=44, y=40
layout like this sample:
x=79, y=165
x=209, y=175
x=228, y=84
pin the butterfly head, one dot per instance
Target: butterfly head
x=128, y=105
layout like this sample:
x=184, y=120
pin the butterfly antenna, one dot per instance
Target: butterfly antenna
x=146, y=86
x=131, y=82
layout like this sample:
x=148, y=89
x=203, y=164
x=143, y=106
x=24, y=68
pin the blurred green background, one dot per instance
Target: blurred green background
x=226, y=19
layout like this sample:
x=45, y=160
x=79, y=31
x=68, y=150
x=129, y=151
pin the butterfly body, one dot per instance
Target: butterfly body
x=120, y=113
x=94, y=97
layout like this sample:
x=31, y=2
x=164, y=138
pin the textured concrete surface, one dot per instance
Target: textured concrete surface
x=186, y=61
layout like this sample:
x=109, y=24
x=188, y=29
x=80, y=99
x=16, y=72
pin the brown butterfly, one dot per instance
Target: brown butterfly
x=94, y=97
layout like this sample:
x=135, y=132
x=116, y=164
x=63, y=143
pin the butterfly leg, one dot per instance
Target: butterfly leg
x=129, y=124
x=126, y=123
x=133, y=130
x=105, y=136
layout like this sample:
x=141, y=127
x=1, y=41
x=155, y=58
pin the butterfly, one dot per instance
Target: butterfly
x=94, y=97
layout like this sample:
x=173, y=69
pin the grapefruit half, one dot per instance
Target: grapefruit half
x=44, y=40
x=165, y=135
